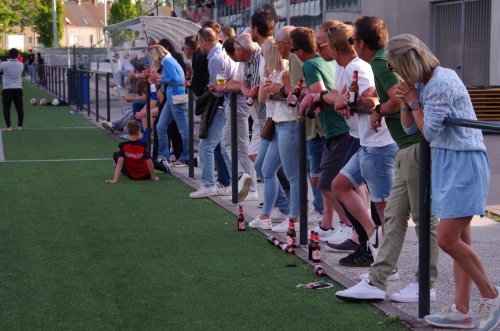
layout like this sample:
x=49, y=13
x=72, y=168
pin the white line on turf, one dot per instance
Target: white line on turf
x=62, y=160
x=2, y=157
x=62, y=128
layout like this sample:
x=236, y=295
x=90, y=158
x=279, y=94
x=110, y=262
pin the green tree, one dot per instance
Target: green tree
x=121, y=11
x=13, y=13
x=42, y=18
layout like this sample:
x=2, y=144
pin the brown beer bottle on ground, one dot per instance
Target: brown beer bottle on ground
x=241, y=219
x=353, y=91
x=316, y=251
x=296, y=94
x=310, y=245
x=291, y=235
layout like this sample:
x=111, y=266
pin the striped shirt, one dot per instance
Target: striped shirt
x=252, y=77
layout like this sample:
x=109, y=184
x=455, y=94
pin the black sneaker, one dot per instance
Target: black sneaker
x=357, y=259
x=346, y=245
x=162, y=164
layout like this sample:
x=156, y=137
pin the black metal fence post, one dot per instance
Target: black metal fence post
x=191, y=131
x=108, y=99
x=303, y=182
x=234, y=148
x=96, y=97
x=424, y=252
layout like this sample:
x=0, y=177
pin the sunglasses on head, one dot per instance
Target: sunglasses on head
x=293, y=50
x=237, y=43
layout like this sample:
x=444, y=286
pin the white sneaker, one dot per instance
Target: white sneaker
x=276, y=214
x=252, y=196
x=450, y=317
x=323, y=235
x=392, y=277
x=410, y=294
x=257, y=223
x=244, y=184
x=204, y=192
x=314, y=217
x=362, y=291
x=490, y=312
x=341, y=233
x=223, y=190
x=283, y=226
x=375, y=241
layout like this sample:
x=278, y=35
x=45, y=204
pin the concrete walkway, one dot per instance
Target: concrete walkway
x=485, y=232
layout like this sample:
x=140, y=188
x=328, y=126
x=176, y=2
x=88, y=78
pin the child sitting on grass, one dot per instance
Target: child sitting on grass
x=133, y=159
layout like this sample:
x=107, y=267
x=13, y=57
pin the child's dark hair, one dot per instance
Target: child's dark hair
x=140, y=86
x=133, y=128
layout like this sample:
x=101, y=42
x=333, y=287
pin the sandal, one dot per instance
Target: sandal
x=178, y=164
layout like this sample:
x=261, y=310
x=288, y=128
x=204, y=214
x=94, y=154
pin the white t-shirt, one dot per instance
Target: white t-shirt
x=338, y=85
x=367, y=136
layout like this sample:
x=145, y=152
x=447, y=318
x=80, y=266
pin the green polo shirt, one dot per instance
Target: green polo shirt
x=316, y=70
x=384, y=80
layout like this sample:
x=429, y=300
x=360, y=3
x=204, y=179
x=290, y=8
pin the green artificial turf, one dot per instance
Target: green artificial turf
x=79, y=254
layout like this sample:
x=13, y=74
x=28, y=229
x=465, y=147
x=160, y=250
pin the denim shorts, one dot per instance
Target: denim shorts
x=375, y=165
x=314, y=152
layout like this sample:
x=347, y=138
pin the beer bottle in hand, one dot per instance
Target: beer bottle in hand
x=241, y=219
x=353, y=91
x=251, y=100
x=296, y=94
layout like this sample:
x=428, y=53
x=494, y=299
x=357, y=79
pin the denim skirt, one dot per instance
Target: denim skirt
x=460, y=183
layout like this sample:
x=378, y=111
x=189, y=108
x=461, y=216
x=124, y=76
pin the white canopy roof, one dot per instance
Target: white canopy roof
x=174, y=29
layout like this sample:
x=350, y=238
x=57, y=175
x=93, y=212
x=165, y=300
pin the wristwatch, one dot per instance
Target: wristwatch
x=414, y=106
x=377, y=109
x=321, y=94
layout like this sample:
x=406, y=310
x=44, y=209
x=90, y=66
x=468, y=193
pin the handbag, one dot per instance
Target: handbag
x=268, y=130
x=179, y=99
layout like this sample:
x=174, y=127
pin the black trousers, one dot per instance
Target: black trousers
x=13, y=95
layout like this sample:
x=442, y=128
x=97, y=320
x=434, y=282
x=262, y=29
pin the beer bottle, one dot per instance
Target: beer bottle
x=188, y=77
x=288, y=249
x=296, y=94
x=316, y=250
x=251, y=100
x=312, y=112
x=241, y=219
x=291, y=235
x=310, y=244
x=319, y=270
x=353, y=91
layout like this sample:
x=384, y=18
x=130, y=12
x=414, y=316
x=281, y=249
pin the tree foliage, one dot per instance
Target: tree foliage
x=14, y=13
x=121, y=11
x=42, y=19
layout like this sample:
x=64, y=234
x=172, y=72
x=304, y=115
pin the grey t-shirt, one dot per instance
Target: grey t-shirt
x=12, y=70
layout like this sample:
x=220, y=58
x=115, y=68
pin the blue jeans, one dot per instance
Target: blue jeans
x=137, y=106
x=178, y=113
x=207, y=146
x=32, y=69
x=282, y=150
x=120, y=76
x=375, y=165
x=314, y=152
x=121, y=123
x=223, y=174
